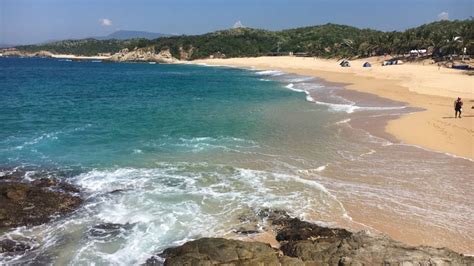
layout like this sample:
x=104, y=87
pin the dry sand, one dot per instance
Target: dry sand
x=420, y=85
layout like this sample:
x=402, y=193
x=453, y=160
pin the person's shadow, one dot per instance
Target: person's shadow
x=452, y=117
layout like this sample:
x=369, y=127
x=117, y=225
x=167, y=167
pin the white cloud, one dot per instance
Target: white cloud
x=105, y=22
x=443, y=15
x=238, y=24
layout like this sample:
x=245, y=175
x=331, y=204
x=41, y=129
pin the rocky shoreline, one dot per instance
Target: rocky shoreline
x=144, y=55
x=30, y=200
x=304, y=243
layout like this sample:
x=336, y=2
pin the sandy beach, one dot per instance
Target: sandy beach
x=420, y=85
x=427, y=88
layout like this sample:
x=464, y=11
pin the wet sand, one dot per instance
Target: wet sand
x=408, y=205
x=421, y=86
x=420, y=199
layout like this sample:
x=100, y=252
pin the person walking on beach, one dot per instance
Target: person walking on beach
x=457, y=107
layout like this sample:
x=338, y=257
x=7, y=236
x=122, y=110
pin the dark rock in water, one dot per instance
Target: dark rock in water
x=295, y=230
x=34, y=203
x=118, y=191
x=363, y=249
x=215, y=251
x=274, y=216
x=252, y=222
x=319, y=245
x=246, y=231
x=249, y=224
x=154, y=261
x=303, y=243
x=55, y=183
x=108, y=230
x=12, y=247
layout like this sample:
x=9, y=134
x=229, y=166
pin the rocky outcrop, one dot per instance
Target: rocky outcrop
x=24, y=203
x=315, y=244
x=125, y=55
x=16, y=53
x=143, y=55
x=215, y=251
x=186, y=54
x=303, y=243
x=11, y=247
x=108, y=230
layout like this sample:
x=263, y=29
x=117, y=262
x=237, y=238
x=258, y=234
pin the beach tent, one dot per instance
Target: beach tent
x=460, y=67
x=392, y=62
x=345, y=63
x=367, y=64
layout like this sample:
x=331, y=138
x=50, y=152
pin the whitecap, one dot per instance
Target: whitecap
x=50, y=136
x=321, y=168
x=309, y=98
x=270, y=73
x=291, y=86
x=348, y=108
x=45, y=136
x=173, y=203
x=368, y=153
x=351, y=108
x=299, y=79
x=344, y=121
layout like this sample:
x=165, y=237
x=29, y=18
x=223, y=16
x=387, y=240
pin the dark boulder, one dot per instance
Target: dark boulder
x=34, y=203
x=13, y=247
x=304, y=243
x=56, y=184
x=295, y=230
x=314, y=244
x=364, y=249
x=109, y=230
x=215, y=251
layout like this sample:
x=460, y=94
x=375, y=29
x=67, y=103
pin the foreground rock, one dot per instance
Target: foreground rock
x=9, y=247
x=214, y=251
x=316, y=244
x=303, y=243
x=109, y=230
x=32, y=203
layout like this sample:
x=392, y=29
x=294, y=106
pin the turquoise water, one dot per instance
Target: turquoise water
x=178, y=152
x=58, y=113
x=190, y=148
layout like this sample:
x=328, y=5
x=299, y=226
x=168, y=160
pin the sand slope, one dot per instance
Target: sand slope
x=420, y=85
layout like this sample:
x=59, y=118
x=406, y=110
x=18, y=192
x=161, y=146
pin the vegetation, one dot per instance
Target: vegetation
x=330, y=40
x=86, y=47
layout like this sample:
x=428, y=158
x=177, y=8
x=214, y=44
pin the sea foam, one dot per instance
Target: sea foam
x=270, y=73
x=173, y=203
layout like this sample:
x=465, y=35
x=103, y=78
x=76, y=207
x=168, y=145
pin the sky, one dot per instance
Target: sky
x=34, y=21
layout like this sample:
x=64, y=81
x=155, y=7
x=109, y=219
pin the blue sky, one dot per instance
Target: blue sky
x=31, y=21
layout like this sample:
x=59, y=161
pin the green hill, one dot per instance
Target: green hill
x=329, y=40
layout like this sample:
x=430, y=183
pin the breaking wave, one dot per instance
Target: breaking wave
x=167, y=205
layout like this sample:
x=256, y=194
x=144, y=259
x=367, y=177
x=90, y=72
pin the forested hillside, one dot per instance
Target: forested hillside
x=329, y=40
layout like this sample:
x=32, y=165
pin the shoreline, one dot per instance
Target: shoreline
x=377, y=126
x=298, y=243
x=123, y=183
x=77, y=57
x=420, y=86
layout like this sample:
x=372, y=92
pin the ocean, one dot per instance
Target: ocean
x=178, y=152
